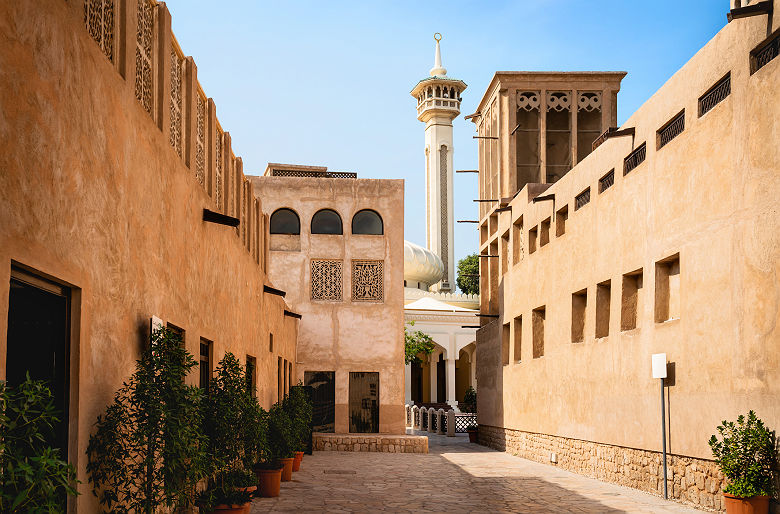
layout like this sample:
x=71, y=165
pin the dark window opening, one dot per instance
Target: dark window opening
x=582, y=199
x=285, y=221
x=607, y=181
x=326, y=221
x=367, y=222
x=634, y=159
x=323, y=384
x=715, y=95
x=671, y=130
x=363, y=402
x=764, y=53
x=205, y=364
x=251, y=375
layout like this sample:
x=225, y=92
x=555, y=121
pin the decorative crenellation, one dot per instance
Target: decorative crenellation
x=99, y=20
x=368, y=281
x=690, y=480
x=326, y=280
x=218, y=179
x=144, y=82
x=177, y=69
x=200, y=140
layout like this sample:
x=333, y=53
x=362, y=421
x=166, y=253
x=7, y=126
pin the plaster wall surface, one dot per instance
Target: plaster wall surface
x=343, y=336
x=92, y=195
x=708, y=197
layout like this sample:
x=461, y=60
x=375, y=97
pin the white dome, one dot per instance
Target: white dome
x=421, y=264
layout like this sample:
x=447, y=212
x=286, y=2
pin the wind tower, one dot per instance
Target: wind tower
x=438, y=103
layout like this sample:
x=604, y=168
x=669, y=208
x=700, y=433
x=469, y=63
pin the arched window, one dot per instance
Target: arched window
x=452, y=93
x=438, y=92
x=326, y=221
x=367, y=222
x=285, y=221
x=430, y=93
x=446, y=93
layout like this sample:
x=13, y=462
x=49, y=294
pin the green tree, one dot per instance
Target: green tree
x=468, y=274
x=147, y=451
x=33, y=476
x=415, y=343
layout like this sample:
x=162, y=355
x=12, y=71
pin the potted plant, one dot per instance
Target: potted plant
x=229, y=492
x=147, y=451
x=746, y=453
x=473, y=430
x=299, y=409
x=274, y=452
x=470, y=400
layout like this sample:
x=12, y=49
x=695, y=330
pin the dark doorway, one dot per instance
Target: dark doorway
x=323, y=387
x=417, y=383
x=363, y=402
x=441, y=379
x=38, y=343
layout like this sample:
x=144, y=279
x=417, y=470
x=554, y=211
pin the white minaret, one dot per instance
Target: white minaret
x=438, y=103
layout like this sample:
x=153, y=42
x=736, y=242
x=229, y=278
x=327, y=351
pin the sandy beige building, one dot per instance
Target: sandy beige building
x=106, y=173
x=663, y=239
x=336, y=248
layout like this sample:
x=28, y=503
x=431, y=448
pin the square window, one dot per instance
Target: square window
x=368, y=280
x=326, y=280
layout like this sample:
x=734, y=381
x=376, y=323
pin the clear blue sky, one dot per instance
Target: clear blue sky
x=327, y=83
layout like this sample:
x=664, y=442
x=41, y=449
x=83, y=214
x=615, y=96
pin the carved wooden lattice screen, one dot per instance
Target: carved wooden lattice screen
x=368, y=281
x=326, y=279
x=99, y=19
x=177, y=70
x=144, y=83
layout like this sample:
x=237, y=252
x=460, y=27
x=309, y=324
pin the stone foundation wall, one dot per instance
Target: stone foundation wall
x=387, y=443
x=690, y=481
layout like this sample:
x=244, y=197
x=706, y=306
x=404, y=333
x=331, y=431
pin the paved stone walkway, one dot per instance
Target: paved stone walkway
x=455, y=476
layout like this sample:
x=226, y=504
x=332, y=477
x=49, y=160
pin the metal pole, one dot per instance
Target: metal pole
x=663, y=436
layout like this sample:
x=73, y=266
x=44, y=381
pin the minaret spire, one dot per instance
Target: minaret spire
x=438, y=69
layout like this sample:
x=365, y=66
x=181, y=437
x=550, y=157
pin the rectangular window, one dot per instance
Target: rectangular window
x=517, y=241
x=631, y=301
x=363, y=402
x=670, y=130
x=527, y=139
x=764, y=53
x=504, y=252
x=532, y=240
x=715, y=95
x=279, y=378
x=251, y=375
x=607, y=181
x=603, y=296
x=326, y=280
x=178, y=331
x=271, y=342
x=544, y=236
x=286, y=379
x=667, y=289
x=579, y=306
x=206, y=349
x=289, y=376
x=483, y=233
x=368, y=281
x=582, y=199
x=558, y=134
x=537, y=323
x=505, y=335
x=518, y=338
x=493, y=267
x=560, y=220
x=588, y=121
x=634, y=159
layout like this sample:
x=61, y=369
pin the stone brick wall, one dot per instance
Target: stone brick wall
x=691, y=481
x=371, y=443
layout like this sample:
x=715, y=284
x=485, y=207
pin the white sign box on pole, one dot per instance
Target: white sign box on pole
x=659, y=365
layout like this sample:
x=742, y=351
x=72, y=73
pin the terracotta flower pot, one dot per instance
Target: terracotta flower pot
x=297, y=461
x=473, y=436
x=752, y=505
x=269, y=482
x=231, y=509
x=287, y=469
x=250, y=489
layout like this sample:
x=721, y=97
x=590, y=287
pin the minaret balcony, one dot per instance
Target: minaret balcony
x=445, y=104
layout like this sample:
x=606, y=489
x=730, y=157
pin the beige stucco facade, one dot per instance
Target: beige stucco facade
x=342, y=334
x=678, y=253
x=97, y=196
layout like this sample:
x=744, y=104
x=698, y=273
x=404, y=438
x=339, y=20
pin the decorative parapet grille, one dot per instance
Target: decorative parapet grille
x=671, y=130
x=635, y=158
x=144, y=83
x=200, y=141
x=761, y=58
x=607, y=181
x=368, y=281
x=177, y=69
x=313, y=174
x=582, y=199
x=326, y=280
x=218, y=179
x=603, y=137
x=715, y=95
x=99, y=19
x=558, y=101
x=463, y=420
x=589, y=101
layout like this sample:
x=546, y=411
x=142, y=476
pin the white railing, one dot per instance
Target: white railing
x=438, y=421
